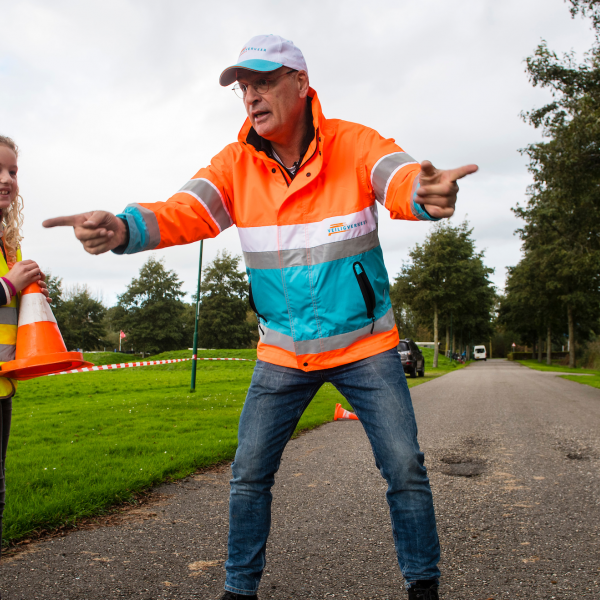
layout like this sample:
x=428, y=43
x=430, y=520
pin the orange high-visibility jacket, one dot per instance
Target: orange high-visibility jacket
x=317, y=279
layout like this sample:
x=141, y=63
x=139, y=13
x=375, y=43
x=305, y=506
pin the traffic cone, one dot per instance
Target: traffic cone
x=342, y=413
x=40, y=346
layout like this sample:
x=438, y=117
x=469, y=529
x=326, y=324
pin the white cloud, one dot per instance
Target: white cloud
x=118, y=102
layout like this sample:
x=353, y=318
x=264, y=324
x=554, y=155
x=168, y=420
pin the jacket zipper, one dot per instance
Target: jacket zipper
x=367, y=291
x=253, y=307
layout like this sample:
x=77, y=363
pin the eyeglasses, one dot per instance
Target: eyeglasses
x=261, y=86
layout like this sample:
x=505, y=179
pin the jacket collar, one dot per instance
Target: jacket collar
x=256, y=144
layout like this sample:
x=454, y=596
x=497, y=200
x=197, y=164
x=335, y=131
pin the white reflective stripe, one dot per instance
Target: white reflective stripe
x=33, y=309
x=272, y=238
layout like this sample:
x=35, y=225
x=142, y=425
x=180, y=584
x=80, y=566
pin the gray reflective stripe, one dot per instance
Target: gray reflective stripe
x=274, y=338
x=8, y=315
x=151, y=225
x=7, y=352
x=385, y=168
x=336, y=342
x=210, y=197
x=302, y=257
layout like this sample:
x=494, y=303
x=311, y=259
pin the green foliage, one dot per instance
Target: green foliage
x=150, y=311
x=446, y=274
x=79, y=315
x=223, y=311
x=561, y=234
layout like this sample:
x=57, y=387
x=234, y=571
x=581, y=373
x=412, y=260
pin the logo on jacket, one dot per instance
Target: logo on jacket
x=339, y=227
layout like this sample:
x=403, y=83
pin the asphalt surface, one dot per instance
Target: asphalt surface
x=513, y=457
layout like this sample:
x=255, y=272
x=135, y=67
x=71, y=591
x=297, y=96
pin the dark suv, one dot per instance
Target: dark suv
x=413, y=360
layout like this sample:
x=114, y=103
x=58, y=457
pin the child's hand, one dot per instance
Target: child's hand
x=44, y=289
x=24, y=273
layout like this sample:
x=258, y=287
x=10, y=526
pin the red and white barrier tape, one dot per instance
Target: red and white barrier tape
x=142, y=364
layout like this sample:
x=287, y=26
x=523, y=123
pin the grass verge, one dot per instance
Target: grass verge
x=81, y=443
x=534, y=364
x=592, y=376
x=593, y=381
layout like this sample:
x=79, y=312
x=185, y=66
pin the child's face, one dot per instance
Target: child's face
x=8, y=176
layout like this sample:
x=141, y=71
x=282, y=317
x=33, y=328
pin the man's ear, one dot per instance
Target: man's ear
x=303, y=84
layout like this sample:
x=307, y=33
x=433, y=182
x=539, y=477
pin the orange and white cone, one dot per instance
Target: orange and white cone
x=40, y=346
x=342, y=413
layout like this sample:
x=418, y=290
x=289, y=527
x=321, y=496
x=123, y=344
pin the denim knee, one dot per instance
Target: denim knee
x=403, y=468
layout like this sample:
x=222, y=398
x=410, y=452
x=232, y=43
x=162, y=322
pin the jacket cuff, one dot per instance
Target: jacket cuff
x=418, y=210
x=123, y=247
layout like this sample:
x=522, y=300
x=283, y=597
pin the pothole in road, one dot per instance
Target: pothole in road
x=462, y=466
x=577, y=456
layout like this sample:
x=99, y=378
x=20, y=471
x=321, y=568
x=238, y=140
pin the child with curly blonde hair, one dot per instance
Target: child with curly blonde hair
x=15, y=275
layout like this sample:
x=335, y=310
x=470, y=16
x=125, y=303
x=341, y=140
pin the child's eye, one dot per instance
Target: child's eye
x=13, y=174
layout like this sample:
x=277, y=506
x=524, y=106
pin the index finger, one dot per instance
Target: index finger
x=461, y=172
x=70, y=221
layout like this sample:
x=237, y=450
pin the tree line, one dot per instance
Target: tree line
x=554, y=291
x=152, y=312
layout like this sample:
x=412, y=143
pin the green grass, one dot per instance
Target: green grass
x=534, y=364
x=591, y=376
x=593, y=381
x=81, y=443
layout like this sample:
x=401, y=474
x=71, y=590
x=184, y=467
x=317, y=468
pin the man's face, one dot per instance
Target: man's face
x=274, y=114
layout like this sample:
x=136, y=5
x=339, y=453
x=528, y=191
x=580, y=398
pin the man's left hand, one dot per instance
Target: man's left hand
x=438, y=189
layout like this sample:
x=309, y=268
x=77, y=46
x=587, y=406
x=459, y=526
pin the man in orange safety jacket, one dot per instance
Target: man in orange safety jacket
x=304, y=192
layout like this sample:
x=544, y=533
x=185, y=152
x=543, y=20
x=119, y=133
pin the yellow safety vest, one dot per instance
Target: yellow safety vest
x=9, y=317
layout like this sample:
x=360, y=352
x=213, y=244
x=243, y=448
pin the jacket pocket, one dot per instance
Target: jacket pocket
x=367, y=291
x=254, y=310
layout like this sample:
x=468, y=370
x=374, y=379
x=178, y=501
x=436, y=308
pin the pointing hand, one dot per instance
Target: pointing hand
x=438, y=189
x=99, y=231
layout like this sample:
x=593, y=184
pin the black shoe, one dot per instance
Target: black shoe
x=424, y=590
x=232, y=596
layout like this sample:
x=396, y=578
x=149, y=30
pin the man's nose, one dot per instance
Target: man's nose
x=252, y=96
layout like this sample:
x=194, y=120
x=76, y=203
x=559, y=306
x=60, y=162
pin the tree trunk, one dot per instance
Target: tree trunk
x=540, y=348
x=549, y=347
x=447, y=340
x=571, y=337
x=468, y=351
x=533, y=350
x=435, y=337
x=453, y=348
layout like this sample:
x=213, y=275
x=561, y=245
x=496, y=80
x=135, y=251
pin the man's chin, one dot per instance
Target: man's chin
x=265, y=130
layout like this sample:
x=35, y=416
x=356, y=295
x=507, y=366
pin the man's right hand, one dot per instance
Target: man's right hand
x=99, y=231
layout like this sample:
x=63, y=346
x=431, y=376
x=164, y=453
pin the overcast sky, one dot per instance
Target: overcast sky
x=118, y=101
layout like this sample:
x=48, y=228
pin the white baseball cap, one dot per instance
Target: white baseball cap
x=264, y=53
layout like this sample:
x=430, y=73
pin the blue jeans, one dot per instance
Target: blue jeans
x=376, y=389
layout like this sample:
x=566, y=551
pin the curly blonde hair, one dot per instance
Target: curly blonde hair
x=12, y=218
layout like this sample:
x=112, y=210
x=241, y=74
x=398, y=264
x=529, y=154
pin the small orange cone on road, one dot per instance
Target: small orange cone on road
x=40, y=346
x=342, y=413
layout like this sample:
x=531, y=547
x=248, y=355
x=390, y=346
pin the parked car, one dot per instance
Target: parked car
x=479, y=353
x=413, y=360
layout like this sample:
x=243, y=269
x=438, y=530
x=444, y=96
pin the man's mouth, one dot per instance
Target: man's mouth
x=260, y=115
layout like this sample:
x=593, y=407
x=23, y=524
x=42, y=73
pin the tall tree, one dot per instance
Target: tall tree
x=151, y=311
x=562, y=215
x=224, y=305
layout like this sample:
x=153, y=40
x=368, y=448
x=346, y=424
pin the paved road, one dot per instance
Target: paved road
x=525, y=526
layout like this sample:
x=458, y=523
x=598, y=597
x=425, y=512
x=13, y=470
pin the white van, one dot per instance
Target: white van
x=479, y=353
